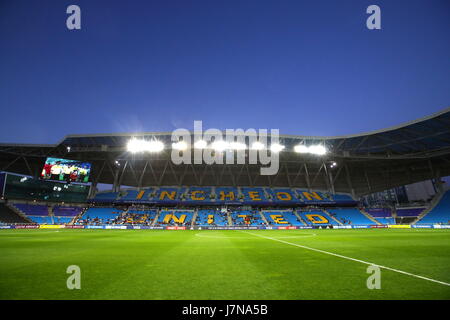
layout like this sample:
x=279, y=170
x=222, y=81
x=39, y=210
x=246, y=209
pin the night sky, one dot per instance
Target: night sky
x=304, y=67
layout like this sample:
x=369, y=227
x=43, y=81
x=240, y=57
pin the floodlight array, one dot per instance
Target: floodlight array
x=313, y=149
x=276, y=147
x=140, y=145
x=180, y=145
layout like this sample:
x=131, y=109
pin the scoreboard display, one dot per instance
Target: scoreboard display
x=66, y=170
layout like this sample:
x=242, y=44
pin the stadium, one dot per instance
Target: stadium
x=139, y=226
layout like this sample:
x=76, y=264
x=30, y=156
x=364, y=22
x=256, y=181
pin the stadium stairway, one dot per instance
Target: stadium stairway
x=368, y=216
x=332, y=217
x=394, y=214
x=194, y=217
x=211, y=217
x=300, y=218
x=434, y=202
x=78, y=216
x=156, y=218
x=20, y=213
x=316, y=217
x=176, y=217
x=282, y=218
x=263, y=218
x=439, y=212
x=9, y=215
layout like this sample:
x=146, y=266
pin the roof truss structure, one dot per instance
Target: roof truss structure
x=366, y=163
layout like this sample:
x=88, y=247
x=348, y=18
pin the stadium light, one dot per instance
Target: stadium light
x=136, y=145
x=139, y=145
x=276, y=147
x=180, y=145
x=155, y=146
x=318, y=150
x=314, y=149
x=200, y=144
x=238, y=146
x=257, y=145
x=220, y=145
x=301, y=148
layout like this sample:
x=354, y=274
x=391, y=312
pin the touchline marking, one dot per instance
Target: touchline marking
x=27, y=232
x=203, y=235
x=348, y=258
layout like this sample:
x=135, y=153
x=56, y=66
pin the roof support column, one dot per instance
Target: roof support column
x=367, y=180
x=141, y=178
x=349, y=181
x=115, y=187
x=117, y=179
x=121, y=176
x=308, y=184
x=329, y=180
x=92, y=190
x=435, y=173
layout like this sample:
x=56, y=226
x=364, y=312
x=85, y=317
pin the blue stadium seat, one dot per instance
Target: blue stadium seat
x=226, y=194
x=63, y=211
x=342, y=198
x=238, y=218
x=282, y=218
x=351, y=216
x=316, y=218
x=41, y=219
x=139, y=216
x=281, y=195
x=221, y=195
x=32, y=209
x=198, y=194
x=211, y=218
x=101, y=215
x=313, y=196
x=129, y=195
x=105, y=196
x=62, y=220
x=440, y=213
x=135, y=195
x=409, y=212
x=175, y=217
x=168, y=194
x=254, y=194
x=382, y=215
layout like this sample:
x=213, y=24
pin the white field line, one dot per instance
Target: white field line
x=204, y=235
x=29, y=231
x=352, y=259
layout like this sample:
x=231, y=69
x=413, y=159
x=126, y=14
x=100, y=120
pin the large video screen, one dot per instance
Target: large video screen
x=66, y=170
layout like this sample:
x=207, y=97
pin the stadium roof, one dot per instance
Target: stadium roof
x=366, y=163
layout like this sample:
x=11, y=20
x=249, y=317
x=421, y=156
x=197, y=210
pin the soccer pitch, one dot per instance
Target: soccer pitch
x=206, y=264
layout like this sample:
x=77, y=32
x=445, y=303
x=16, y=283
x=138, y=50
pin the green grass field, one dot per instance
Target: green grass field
x=149, y=264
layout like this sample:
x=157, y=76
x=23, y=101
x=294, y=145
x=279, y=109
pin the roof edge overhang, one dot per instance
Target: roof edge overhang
x=300, y=137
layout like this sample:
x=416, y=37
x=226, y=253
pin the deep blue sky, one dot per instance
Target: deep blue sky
x=304, y=67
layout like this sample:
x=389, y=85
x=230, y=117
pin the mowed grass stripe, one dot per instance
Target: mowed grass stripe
x=419, y=251
x=192, y=268
x=151, y=264
x=348, y=258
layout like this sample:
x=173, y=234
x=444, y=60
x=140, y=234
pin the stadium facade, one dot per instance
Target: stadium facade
x=149, y=189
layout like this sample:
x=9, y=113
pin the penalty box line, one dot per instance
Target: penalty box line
x=349, y=258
